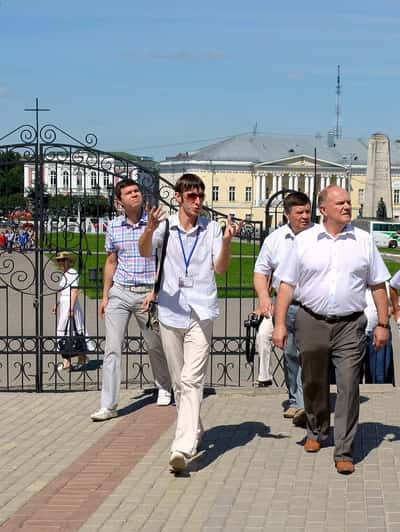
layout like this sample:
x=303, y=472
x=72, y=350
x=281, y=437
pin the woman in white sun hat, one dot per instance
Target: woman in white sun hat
x=68, y=305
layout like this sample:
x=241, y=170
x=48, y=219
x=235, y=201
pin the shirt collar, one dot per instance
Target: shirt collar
x=201, y=222
x=346, y=232
x=289, y=232
x=142, y=219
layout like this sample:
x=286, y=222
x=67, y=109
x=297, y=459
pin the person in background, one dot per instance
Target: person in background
x=69, y=308
x=378, y=363
x=273, y=252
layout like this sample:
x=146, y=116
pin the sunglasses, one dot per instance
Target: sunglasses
x=192, y=196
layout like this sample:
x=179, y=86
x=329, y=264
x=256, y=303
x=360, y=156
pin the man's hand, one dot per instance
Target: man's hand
x=103, y=305
x=232, y=229
x=155, y=215
x=265, y=307
x=280, y=336
x=381, y=337
x=146, y=302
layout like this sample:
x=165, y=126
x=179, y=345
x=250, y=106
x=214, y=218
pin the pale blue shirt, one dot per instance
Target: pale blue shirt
x=176, y=303
x=331, y=274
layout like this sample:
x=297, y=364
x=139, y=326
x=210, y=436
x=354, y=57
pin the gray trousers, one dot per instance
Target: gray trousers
x=343, y=343
x=121, y=305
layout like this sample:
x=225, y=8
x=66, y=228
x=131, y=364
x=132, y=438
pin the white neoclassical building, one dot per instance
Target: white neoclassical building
x=242, y=172
x=82, y=173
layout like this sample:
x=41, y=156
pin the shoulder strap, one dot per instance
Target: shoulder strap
x=73, y=331
x=162, y=258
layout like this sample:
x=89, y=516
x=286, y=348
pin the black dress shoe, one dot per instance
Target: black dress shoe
x=264, y=384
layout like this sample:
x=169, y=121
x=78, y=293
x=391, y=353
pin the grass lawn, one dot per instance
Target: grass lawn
x=393, y=251
x=238, y=282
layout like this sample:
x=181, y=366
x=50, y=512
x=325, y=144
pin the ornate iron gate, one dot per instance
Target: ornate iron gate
x=68, y=190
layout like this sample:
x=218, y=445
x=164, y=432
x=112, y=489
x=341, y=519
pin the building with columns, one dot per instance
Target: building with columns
x=243, y=171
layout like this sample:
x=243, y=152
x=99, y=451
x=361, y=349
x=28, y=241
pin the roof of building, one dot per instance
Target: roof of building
x=262, y=148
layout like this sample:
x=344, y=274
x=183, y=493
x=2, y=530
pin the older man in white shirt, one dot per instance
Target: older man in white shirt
x=331, y=266
x=188, y=303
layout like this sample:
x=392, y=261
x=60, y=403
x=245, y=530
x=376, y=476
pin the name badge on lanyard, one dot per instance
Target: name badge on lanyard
x=187, y=281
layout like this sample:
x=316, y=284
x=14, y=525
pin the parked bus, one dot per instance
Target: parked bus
x=386, y=234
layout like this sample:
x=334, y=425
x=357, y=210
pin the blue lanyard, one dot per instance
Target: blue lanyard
x=187, y=260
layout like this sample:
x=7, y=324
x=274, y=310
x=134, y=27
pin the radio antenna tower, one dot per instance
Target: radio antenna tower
x=338, y=129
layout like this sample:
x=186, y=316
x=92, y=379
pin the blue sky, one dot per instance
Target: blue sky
x=147, y=74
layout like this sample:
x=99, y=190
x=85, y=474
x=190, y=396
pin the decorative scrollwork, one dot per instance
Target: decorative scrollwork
x=140, y=375
x=22, y=368
x=19, y=274
x=225, y=371
x=27, y=133
x=48, y=135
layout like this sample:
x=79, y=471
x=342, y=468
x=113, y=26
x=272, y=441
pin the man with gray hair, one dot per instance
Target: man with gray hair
x=331, y=265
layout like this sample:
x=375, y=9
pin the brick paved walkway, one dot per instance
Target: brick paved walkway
x=60, y=471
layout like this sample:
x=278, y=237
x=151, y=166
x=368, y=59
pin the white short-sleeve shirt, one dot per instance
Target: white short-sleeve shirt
x=395, y=281
x=273, y=251
x=176, y=302
x=332, y=274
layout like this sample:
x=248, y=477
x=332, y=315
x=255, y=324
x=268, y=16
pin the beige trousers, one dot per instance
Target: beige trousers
x=187, y=353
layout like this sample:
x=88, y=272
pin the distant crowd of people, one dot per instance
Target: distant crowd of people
x=17, y=239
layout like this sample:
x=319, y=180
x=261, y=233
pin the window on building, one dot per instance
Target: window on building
x=249, y=194
x=79, y=179
x=215, y=193
x=65, y=176
x=93, y=179
x=106, y=180
x=396, y=196
x=361, y=195
x=232, y=193
x=53, y=178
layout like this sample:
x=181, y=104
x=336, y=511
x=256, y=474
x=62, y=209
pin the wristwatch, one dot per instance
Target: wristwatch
x=383, y=325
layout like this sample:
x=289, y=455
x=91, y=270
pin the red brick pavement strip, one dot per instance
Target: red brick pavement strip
x=68, y=501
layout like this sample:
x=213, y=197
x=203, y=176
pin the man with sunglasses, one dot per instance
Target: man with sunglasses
x=188, y=302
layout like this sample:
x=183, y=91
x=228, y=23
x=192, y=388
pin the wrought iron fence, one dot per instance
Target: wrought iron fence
x=68, y=188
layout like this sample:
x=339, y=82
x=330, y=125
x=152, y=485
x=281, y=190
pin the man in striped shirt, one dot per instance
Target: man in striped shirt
x=128, y=289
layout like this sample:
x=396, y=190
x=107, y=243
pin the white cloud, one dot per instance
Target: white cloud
x=4, y=91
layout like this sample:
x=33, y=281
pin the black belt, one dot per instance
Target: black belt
x=295, y=303
x=332, y=318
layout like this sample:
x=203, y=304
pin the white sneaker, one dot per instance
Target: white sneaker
x=103, y=414
x=177, y=462
x=163, y=397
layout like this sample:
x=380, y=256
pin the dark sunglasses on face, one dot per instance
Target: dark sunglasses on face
x=192, y=196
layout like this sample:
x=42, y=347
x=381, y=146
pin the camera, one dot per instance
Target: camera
x=252, y=323
x=253, y=320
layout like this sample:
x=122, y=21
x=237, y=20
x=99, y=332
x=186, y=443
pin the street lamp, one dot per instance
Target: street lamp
x=348, y=161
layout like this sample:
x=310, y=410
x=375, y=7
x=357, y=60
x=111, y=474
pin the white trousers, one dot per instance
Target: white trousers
x=187, y=352
x=264, y=348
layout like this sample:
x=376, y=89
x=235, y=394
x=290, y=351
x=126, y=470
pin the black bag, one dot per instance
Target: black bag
x=152, y=318
x=73, y=343
x=252, y=324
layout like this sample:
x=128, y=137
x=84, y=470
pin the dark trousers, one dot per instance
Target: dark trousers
x=344, y=344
